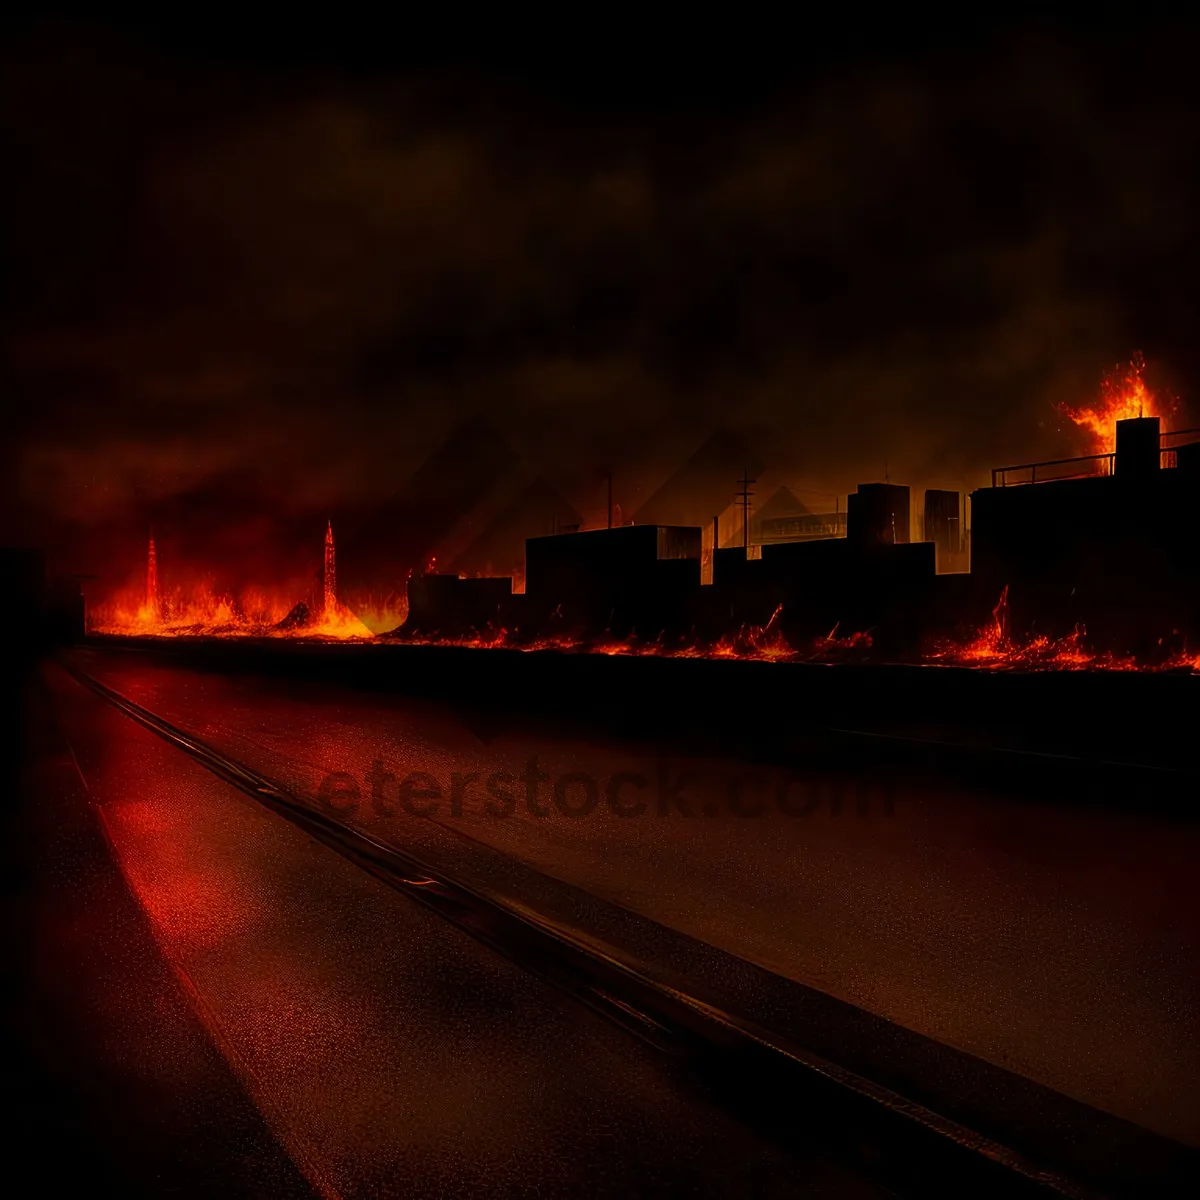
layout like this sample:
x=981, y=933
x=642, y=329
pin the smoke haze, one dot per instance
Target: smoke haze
x=244, y=295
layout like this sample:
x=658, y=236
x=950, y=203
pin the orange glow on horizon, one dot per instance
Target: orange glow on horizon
x=202, y=611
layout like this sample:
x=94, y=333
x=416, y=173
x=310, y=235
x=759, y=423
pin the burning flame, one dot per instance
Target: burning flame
x=152, y=580
x=994, y=649
x=331, y=603
x=205, y=611
x=1123, y=394
x=760, y=643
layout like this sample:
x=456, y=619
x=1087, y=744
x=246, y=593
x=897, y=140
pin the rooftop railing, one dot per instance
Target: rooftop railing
x=1100, y=464
x=1174, y=433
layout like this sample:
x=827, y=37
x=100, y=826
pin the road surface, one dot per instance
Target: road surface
x=387, y=1051
x=1056, y=942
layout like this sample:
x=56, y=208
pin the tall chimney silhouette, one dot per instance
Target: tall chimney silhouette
x=152, y=581
x=1137, y=451
x=330, y=573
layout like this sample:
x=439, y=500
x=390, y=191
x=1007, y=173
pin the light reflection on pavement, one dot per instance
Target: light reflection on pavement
x=392, y=1054
x=1059, y=943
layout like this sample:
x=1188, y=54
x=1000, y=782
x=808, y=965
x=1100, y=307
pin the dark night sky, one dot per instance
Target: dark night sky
x=254, y=272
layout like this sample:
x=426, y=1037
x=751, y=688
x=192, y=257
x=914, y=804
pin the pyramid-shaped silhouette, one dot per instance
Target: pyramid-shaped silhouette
x=704, y=485
x=399, y=536
x=500, y=548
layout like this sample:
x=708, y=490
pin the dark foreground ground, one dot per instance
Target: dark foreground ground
x=231, y=1004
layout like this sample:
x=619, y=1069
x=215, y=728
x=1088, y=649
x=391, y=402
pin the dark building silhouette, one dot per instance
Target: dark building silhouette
x=878, y=513
x=634, y=579
x=1117, y=553
x=644, y=581
x=36, y=607
x=944, y=528
x=447, y=606
x=1138, y=442
x=855, y=583
x=1110, y=543
x=872, y=579
x=1187, y=458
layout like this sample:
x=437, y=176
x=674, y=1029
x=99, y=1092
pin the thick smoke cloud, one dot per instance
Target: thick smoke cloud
x=266, y=295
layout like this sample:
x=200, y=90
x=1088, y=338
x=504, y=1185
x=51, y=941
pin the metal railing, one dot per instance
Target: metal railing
x=1167, y=456
x=1170, y=433
x=1103, y=461
x=1106, y=463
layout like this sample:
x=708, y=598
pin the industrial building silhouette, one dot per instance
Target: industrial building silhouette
x=1108, y=542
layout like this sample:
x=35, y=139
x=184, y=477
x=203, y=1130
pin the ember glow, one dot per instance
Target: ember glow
x=754, y=643
x=316, y=611
x=202, y=610
x=152, y=580
x=331, y=602
x=1123, y=394
x=990, y=650
x=994, y=649
x=205, y=613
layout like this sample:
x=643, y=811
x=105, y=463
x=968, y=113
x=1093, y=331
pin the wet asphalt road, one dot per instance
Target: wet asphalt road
x=389, y=1053
x=1057, y=942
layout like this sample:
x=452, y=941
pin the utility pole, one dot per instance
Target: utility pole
x=610, y=499
x=745, y=495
